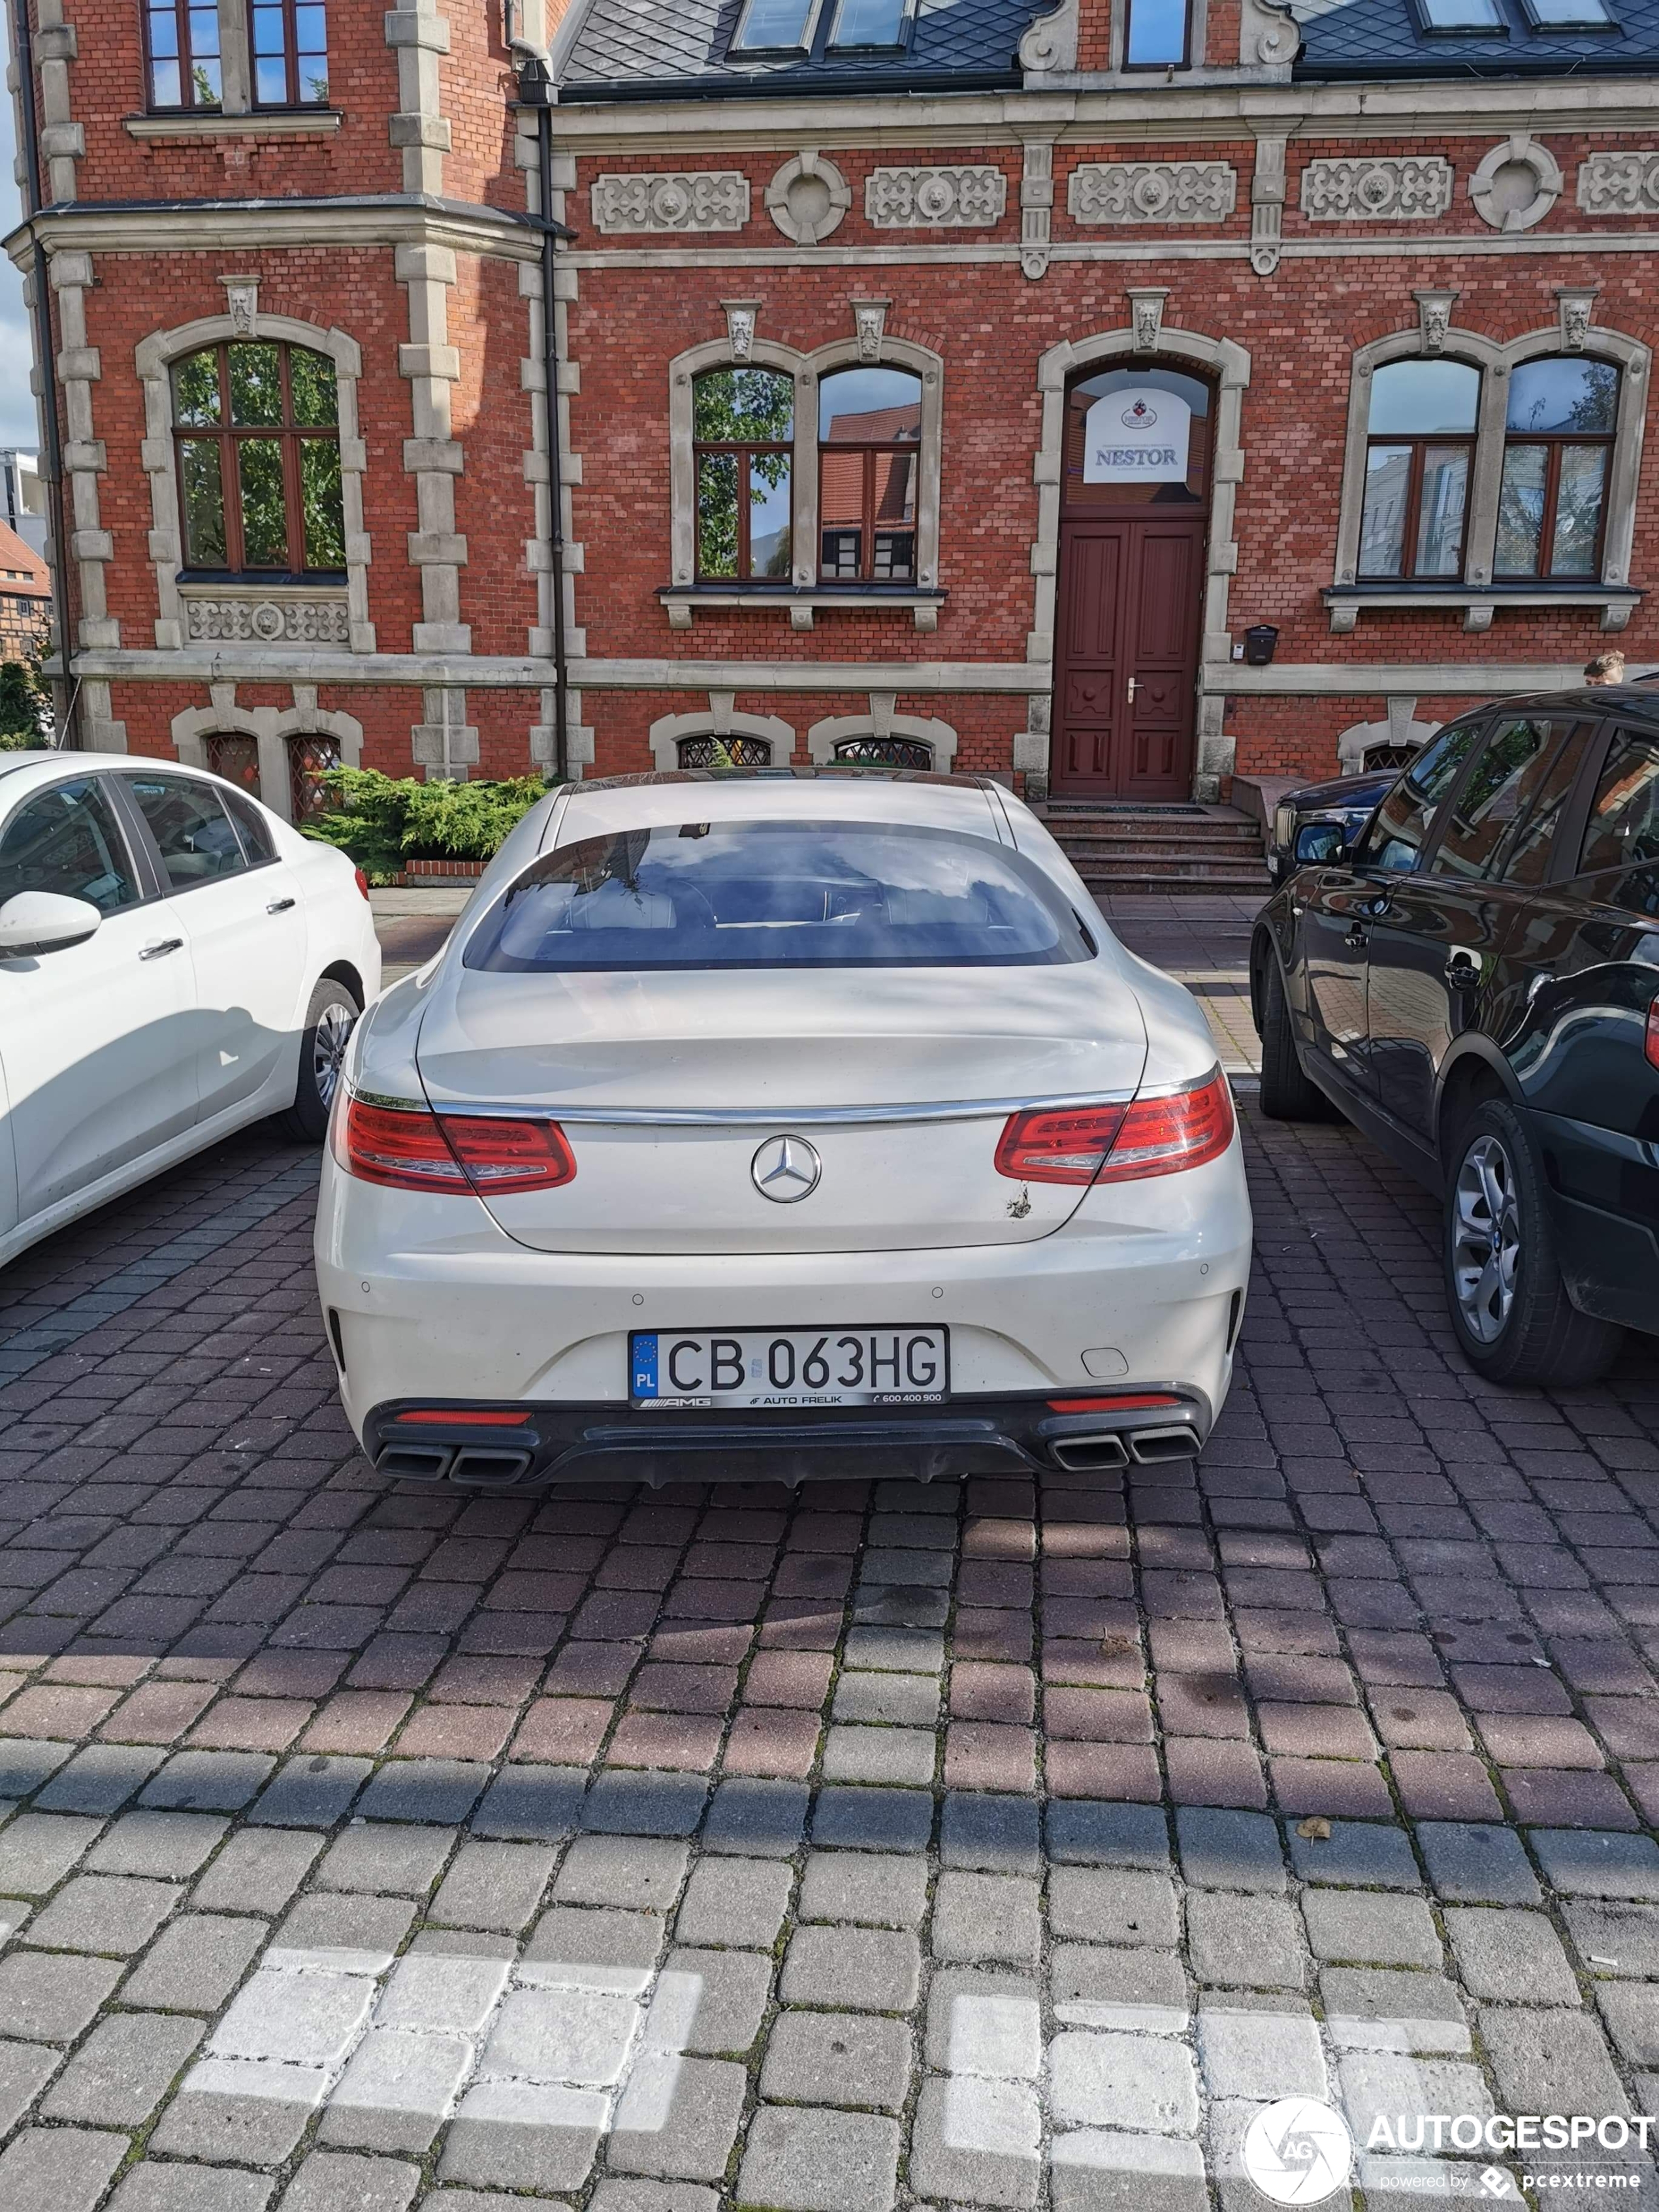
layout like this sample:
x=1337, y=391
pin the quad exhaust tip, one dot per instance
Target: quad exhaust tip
x=452, y=1463
x=1090, y=1455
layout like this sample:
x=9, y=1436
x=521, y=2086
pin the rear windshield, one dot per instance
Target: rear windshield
x=780, y=895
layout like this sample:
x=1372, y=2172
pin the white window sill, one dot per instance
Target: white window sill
x=1480, y=602
x=800, y=603
x=214, y=123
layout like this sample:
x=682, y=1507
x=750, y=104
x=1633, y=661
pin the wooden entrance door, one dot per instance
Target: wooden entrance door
x=1126, y=657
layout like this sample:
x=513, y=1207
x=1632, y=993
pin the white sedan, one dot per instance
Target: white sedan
x=175, y=960
x=781, y=1125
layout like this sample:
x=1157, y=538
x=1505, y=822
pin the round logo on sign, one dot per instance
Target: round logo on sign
x=1298, y=2151
x=1140, y=416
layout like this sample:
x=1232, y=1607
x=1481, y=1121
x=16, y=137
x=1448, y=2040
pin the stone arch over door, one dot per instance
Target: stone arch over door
x=1148, y=341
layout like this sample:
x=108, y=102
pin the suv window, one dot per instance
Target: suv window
x=1496, y=794
x=1524, y=858
x=65, y=840
x=192, y=829
x=1622, y=832
x=1401, y=825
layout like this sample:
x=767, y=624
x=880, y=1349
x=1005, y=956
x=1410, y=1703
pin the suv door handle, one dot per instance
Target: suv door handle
x=161, y=946
x=279, y=906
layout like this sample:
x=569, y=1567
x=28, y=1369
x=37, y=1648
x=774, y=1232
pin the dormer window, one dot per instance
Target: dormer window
x=1158, y=34
x=872, y=24
x=1569, y=15
x=1464, y=19
x=775, y=26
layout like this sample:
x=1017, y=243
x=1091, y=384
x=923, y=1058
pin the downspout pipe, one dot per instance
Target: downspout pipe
x=535, y=92
x=48, y=365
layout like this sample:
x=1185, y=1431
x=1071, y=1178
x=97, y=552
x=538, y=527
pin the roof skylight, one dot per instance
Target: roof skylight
x=775, y=26
x=1570, y=15
x=1464, y=18
x=871, y=23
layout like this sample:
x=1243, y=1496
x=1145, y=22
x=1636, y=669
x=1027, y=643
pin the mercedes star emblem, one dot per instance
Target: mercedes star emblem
x=785, y=1168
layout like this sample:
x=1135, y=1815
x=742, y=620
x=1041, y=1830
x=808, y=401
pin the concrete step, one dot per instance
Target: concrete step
x=1135, y=883
x=1113, y=837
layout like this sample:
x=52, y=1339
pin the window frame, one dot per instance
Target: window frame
x=1553, y=441
x=295, y=98
x=180, y=12
x=834, y=44
x=1495, y=27
x=738, y=50
x=743, y=450
x=869, y=452
x=288, y=435
x=1417, y=451
x=1609, y=586
x=1141, y=69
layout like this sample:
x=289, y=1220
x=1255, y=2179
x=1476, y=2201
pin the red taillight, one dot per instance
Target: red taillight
x=362, y=881
x=409, y=1148
x=1058, y=1144
x=1111, y=1405
x=451, y=1417
x=1652, y=1045
x=1160, y=1136
x=1119, y=1144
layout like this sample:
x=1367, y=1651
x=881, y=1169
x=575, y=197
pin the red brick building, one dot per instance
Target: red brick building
x=935, y=379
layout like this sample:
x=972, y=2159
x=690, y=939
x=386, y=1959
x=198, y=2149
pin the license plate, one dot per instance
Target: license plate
x=789, y=1367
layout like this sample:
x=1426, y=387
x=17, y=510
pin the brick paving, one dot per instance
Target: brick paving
x=1000, y=1844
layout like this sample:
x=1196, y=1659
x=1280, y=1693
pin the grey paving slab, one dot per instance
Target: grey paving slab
x=1477, y=1863
x=310, y=1792
x=171, y=1846
x=209, y=1781
x=64, y=2168
x=851, y=1969
x=837, y=2059
x=123, y=2070
x=1229, y=1850
x=991, y=1834
x=195, y=1963
x=878, y=1889
x=803, y=2160
x=100, y=1778
x=1597, y=1863
x=1515, y=1956
x=1085, y=1832
x=1367, y=1854
x=257, y=1871
x=740, y=1901
x=755, y=1817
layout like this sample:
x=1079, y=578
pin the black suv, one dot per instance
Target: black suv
x=1474, y=982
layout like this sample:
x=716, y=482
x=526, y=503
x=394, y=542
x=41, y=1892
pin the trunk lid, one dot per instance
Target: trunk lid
x=739, y=1058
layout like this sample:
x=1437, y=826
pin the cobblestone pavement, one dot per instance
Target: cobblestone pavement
x=992, y=1844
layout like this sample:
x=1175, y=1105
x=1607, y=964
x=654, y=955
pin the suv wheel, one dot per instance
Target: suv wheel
x=1510, y=1307
x=329, y=1019
x=1286, y=1093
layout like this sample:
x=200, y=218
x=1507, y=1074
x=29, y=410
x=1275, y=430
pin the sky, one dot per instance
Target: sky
x=18, y=424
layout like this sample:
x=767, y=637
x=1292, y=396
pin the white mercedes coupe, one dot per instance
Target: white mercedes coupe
x=772, y=1124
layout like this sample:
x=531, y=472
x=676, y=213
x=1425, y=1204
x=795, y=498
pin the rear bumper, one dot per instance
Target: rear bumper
x=560, y=1443
x=1604, y=1200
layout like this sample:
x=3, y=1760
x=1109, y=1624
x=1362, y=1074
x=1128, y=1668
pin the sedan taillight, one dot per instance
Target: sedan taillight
x=1119, y=1144
x=410, y=1148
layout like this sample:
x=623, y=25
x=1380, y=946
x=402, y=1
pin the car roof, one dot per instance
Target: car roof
x=968, y=803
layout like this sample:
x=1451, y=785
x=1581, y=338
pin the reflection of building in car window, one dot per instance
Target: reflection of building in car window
x=1623, y=829
x=66, y=841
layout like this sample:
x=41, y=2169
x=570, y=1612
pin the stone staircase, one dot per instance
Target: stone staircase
x=1123, y=851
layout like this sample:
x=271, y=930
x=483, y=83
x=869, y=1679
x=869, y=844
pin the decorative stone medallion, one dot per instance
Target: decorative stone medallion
x=935, y=200
x=808, y=198
x=682, y=200
x=1415, y=188
x=1151, y=192
x=267, y=622
x=1516, y=186
x=1619, y=184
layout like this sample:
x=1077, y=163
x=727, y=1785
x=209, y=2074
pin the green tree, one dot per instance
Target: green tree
x=738, y=407
x=26, y=708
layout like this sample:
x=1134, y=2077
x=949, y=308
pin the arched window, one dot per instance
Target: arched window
x=310, y=758
x=234, y=756
x=1558, y=449
x=1418, y=451
x=724, y=752
x=256, y=426
x=884, y=752
x=869, y=444
x=181, y=41
x=743, y=428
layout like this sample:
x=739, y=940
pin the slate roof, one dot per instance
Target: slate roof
x=628, y=47
x=1369, y=39
x=631, y=49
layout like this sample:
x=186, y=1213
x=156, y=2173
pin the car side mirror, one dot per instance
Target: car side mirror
x=1317, y=842
x=44, y=921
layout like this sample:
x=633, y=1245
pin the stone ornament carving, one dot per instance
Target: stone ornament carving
x=740, y=327
x=870, y=321
x=935, y=200
x=1147, y=315
x=1268, y=36
x=267, y=622
x=1620, y=184
x=1267, y=204
x=1434, y=318
x=1576, y=307
x=808, y=198
x=679, y=200
x=1049, y=47
x=1151, y=192
x=1516, y=185
x=242, y=301
x=1415, y=188
x=1037, y=207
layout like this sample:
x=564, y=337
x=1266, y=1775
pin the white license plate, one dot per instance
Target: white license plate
x=789, y=1367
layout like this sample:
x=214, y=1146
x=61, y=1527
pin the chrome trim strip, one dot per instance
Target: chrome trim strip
x=815, y=1117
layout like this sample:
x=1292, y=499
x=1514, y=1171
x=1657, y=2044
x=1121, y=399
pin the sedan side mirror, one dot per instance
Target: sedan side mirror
x=44, y=921
x=1317, y=842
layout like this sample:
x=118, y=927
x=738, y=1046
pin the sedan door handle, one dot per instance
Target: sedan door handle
x=161, y=946
x=1462, y=968
x=1358, y=938
x=279, y=906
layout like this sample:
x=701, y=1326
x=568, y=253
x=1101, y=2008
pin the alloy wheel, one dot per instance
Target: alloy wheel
x=1486, y=1238
x=330, y=1039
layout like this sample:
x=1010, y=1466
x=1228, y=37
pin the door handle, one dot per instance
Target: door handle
x=279, y=906
x=1462, y=968
x=1358, y=936
x=161, y=946
x=1134, y=686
